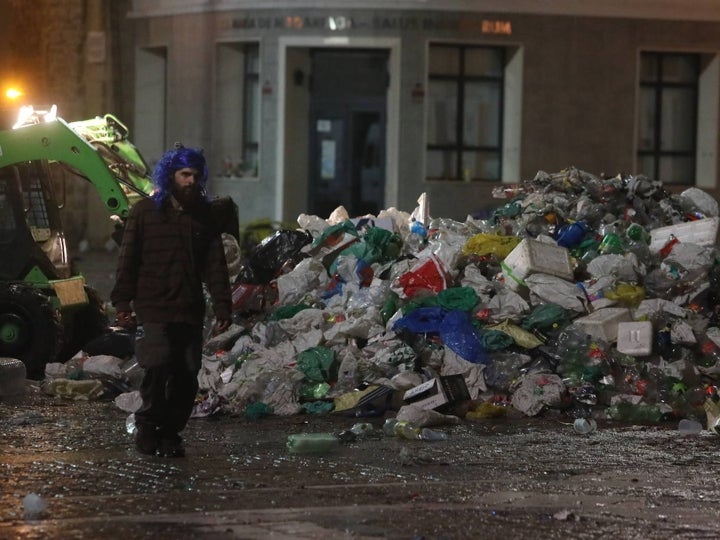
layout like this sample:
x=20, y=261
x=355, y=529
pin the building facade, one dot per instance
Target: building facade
x=302, y=106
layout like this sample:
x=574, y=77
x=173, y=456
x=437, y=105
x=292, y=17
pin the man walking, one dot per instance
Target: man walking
x=170, y=247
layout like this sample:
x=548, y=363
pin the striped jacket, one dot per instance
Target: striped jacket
x=165, y=256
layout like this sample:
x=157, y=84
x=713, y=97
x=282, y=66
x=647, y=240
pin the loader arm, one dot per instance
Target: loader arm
x=57, y=141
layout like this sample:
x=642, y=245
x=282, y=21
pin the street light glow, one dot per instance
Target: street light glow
x=13, y=93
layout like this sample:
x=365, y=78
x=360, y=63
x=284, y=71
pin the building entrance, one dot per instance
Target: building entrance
x=347, y=130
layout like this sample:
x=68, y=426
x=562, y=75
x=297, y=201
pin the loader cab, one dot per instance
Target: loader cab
x=31, y=232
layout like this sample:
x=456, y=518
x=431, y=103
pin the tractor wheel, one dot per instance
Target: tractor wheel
x=29, y=328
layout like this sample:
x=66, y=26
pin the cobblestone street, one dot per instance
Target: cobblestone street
x=494, y=479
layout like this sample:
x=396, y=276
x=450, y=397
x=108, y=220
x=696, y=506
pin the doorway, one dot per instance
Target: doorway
x=348, y=102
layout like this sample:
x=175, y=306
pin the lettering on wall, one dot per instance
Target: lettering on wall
x=343, y=23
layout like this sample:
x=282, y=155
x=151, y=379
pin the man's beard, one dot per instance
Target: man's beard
x=187, y=196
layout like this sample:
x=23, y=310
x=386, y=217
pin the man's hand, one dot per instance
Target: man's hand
x=125, y=319
x=220, y=326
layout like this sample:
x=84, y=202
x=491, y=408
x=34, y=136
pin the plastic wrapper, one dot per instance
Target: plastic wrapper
x=490, y=244
x=538, y=391
x=425, y=277
x=266, y=260
x=547, y=288
x=473, y=373
x=517, y=335
x=506, y=305
x=698, y=203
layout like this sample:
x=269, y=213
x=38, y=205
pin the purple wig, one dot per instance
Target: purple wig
x=172, y=161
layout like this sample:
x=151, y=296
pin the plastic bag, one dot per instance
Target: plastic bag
x=490, y=244
x=318, y=364
x=427, y=275
x=266, y=260
x=422, y=320
x=458, y=333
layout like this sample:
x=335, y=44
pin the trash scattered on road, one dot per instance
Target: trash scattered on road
x=34, y=507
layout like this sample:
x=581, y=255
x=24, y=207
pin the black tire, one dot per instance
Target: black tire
x=29, y=328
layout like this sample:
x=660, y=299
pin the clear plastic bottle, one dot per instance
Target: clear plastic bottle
x=389, y=426
x=130, y=424
x=362, y=429
x=427, y=434
x=584, y=426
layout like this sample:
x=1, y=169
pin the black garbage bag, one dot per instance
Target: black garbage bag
x=118, y=342
x=267, y=260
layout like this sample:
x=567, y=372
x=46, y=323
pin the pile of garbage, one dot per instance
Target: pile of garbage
x=593, y=297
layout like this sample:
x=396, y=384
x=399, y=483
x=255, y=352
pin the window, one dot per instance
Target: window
x=464, y=113
x=238, y=104
x=251, y=109
x=667, y=123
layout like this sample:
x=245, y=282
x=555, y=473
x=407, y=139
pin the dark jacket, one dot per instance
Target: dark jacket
x=165, y=256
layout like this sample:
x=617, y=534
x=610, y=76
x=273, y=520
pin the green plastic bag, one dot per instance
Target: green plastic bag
x=318, y=364
x=462, y=298
x=287, y=312
x=545, y=317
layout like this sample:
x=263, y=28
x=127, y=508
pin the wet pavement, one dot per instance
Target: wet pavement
x=491, y=479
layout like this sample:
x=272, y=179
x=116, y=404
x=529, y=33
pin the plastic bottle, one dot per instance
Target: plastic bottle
x=427, y=434
x=407, y=430
x=12, y=377
x=133, y=373
x=389, y=426
x=74, y=367
x=584, y=426
x=630, y=412
x=312, y=443
x=130, y=424
x=362, y=429
x=687, y=426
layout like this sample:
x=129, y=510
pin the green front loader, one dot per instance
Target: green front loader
x=46, y=311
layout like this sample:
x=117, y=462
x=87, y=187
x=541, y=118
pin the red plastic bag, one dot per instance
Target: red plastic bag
x=427, y=276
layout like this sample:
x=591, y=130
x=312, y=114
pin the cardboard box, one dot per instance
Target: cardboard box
x=603, y=323
x=438, y=392
x=702, y=232
x=533, y=257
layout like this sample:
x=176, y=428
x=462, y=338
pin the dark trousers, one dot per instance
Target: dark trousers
x=171, y=354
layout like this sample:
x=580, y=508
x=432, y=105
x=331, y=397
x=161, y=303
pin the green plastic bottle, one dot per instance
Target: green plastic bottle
x=639, y=413
x=312, y=443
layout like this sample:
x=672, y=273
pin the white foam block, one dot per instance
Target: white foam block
x=635, y=338
x=534, y=257
x=702, y=232
x=603, y=323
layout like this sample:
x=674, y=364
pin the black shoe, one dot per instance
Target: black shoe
x=171, y=446
x=146, y=440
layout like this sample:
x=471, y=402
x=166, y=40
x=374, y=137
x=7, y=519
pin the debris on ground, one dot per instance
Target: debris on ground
x=588, y=297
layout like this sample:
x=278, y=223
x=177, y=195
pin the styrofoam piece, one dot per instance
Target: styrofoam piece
x=702, y=232
x=635, y=338
x=534, y=257
x=603, y=323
